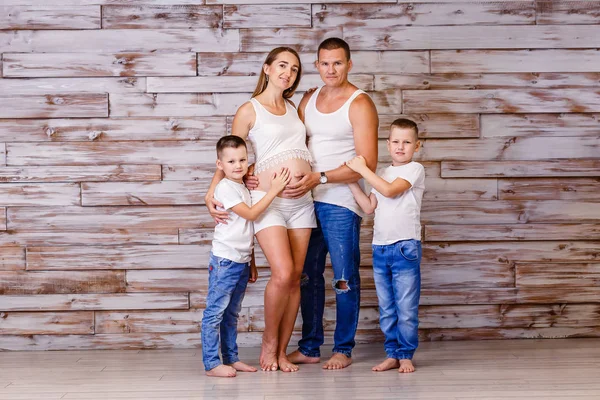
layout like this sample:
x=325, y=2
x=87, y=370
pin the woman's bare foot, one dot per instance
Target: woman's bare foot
x=268, y=357
x=337, y=361
x=387, y=364
x=406, y=366
x=242, y=367
x=286, y=365
x=222, y=371
x=298, y=358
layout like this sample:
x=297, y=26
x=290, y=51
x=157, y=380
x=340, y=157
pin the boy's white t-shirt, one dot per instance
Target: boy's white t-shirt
x=234, y=240
x=398, y=218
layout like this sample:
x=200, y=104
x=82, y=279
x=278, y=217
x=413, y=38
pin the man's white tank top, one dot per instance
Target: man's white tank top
x=331, y=143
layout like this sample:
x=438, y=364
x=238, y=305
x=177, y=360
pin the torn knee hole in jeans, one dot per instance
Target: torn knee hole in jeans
x=340, y=286
x=304, y=279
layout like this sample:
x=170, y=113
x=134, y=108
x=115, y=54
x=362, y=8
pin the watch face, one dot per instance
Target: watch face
x=323, y=179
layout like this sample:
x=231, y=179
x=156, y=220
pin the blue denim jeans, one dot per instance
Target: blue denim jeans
x=337, y=233
x=227, y=281
x=397, y=272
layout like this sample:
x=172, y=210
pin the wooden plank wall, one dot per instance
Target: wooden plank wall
x=109, y=111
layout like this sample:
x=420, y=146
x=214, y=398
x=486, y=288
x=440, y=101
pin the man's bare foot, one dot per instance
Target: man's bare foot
x=242, y=367
x=286, y=365
x=222, y=371
x=406, y=366
x=387, y=364
x=298, y=358
x=268, y=357
x=337, y=361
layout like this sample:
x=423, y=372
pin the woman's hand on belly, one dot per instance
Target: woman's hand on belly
x=301, y=186
x=298, y=169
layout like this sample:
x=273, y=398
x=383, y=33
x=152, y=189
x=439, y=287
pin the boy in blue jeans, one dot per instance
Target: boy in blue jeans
x=231, y=264
x=396, y=200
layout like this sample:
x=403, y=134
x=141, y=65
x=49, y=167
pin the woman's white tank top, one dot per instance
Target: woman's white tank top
x=331, y=143
x=276, y=138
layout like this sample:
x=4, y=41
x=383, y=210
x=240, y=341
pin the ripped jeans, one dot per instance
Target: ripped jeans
x=337, y=233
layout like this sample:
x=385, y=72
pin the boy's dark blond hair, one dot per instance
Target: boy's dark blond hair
x=405, y=123
x=229, y=141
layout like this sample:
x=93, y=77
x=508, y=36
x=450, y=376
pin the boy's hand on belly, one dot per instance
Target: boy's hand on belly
x=303, y=183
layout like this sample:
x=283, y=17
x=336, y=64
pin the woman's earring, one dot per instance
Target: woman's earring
x=267, y=76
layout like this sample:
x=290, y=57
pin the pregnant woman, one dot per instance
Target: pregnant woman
x=270, y=122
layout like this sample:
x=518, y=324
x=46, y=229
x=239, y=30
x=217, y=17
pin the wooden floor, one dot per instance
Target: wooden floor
x=525, y=369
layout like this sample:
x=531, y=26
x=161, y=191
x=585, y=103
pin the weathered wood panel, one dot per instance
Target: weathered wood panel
x=61, y=282
x=176, y=104
x=140, y=321
x=2, y=154
x=265, y=39
x=85, y=219
x=195, y=236
x=120, y=40
x=149, y=16
x=62, y=65
x=570, y=124
x=363, y=62
x=467, y=37
x=294, y=1
x=147, y=193
x=438, y=188
x=485, y=273
x=100, y=173
x=520, y=169
x=77, y=302
x=500, y=232
x=486, y=61
x=116, y=257
x=235, y=84
x=569, y=12
x=557, y=294
x=507, y=212
x=572, y=275
x=54, y=106
x=172, y=280
x=576, y=189
x=501, y=101
x=39, y=194
x=447, y=81
x=508, y=316
x=113, y=129
x=507, y=252
x=486, y=295
x=111, y=153
x=443, y=126
x=383, y=16
x=267, y=16
x=495, y=149
x=187, y=173
x=105, y=237
x=508, y=333
x=72, y=85
x=35, y=323
x=50, y=17
x=2, y=218
x=12, y=258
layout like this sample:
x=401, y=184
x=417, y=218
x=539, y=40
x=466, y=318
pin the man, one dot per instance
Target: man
x=341, y=122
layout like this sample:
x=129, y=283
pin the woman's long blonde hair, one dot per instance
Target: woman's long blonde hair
x=262, y=79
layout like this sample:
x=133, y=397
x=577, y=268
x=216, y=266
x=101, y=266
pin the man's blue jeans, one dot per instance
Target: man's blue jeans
x=337, y=233
x=227, y=281
x=396, y=268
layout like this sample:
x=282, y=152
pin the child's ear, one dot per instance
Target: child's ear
x=219, y=164
x=418, y=145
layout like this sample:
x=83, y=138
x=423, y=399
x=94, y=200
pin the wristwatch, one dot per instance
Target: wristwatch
x=323, y=178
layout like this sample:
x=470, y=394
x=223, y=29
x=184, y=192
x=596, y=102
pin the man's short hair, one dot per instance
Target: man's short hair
x=404, y=123
x=333, y=43
x=229, y=141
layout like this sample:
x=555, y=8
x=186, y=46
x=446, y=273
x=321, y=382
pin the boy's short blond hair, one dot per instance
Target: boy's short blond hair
x=405, y=123
x=229, y=141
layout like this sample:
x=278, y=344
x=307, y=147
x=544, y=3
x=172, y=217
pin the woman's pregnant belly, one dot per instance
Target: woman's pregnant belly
x=295, y=165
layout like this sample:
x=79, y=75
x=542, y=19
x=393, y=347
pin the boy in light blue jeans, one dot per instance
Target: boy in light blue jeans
x=396, y=200
x=231, y=264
